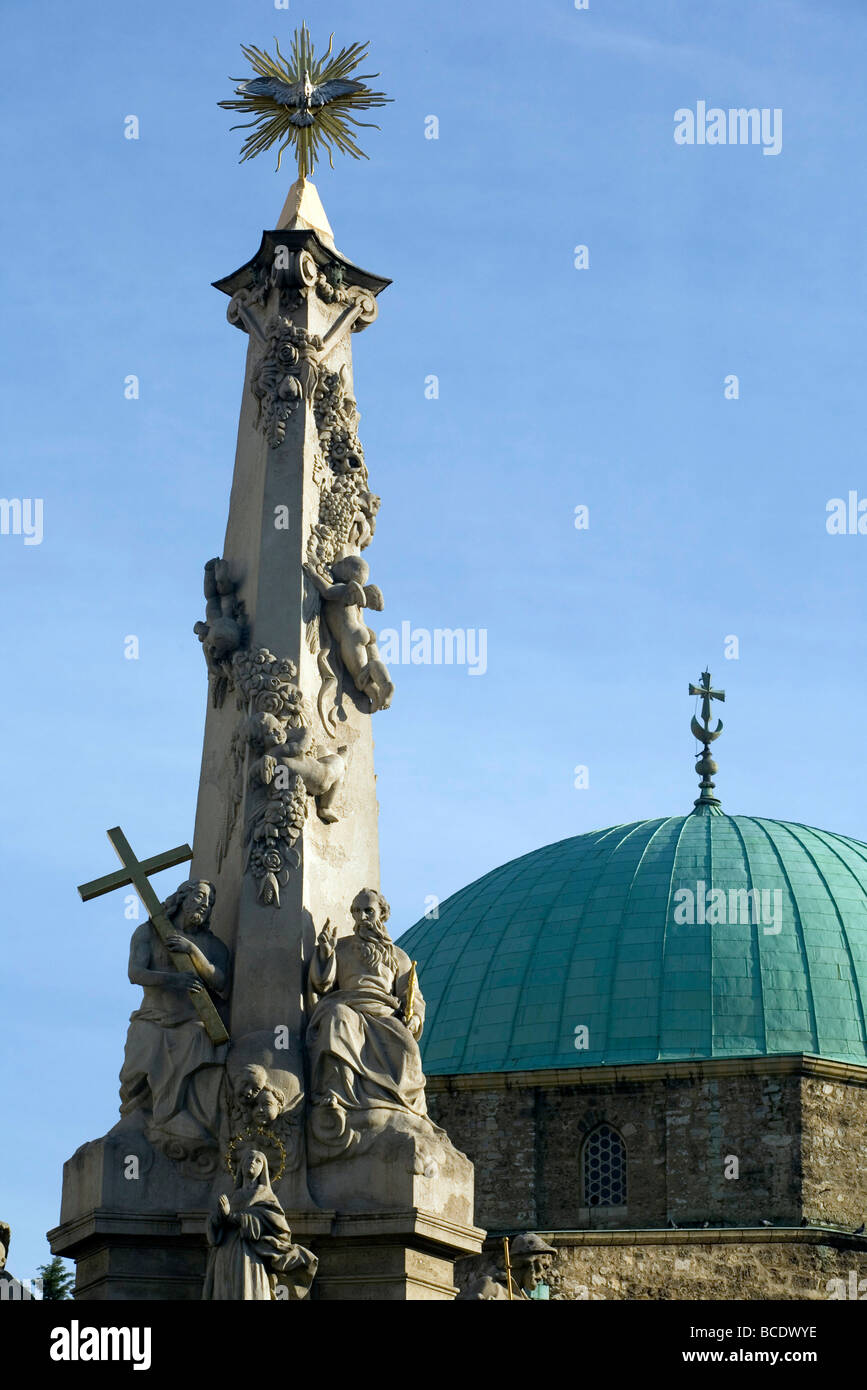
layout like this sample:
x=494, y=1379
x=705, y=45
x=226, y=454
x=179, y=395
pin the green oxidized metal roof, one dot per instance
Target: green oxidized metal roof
x=590, y=932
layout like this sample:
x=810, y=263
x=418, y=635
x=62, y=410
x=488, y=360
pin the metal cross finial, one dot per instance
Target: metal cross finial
x=705, y=765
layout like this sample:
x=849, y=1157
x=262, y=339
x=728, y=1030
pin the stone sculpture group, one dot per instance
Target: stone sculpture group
x=367, y=1014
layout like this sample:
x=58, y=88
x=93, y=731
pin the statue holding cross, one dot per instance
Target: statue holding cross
x=176, y=1045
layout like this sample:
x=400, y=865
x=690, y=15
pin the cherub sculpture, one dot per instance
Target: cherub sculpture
x=291, y=752
x=224, y=630
x=264, y=1102
x=345, y=598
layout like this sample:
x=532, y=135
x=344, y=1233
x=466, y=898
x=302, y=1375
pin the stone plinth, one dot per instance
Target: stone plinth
x=127, y=1257
x=395, y=1256
x=119, y=1221
x=397, y=1233
x=383, y=1179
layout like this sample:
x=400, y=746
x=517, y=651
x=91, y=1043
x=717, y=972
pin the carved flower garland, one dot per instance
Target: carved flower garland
x=266, y=685
x=282, y=374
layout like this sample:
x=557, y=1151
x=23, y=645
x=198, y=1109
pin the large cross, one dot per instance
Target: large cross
x=136, y=874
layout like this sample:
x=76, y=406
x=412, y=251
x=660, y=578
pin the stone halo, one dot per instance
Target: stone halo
x=263, y=1139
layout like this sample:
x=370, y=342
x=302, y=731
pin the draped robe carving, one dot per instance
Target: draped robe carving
x=250, y=1241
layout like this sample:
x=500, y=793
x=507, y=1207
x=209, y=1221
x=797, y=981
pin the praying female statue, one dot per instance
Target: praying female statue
x=250, y=1241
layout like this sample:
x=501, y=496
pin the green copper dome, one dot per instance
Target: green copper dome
x=595, y=933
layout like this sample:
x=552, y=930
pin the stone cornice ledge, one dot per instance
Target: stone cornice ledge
x=101, y=1222
x=728, y=1235
x=792, y=1064
x=405, y=1222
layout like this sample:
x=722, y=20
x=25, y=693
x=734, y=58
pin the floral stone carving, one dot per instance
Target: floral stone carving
x=286, y=767
x=284, y=374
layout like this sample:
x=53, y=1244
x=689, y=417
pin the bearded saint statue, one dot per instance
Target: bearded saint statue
x=363, y=1031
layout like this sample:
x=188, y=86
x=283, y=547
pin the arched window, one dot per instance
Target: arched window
x=603, y=1168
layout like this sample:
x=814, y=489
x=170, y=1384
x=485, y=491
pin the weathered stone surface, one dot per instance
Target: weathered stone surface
x=172, y=1072
x=397, y=1256
x=834, y=1151
x=524, y=1273
x=802, y=1267
x=11, y=1289
x=383, y=1272
x=124, y=1256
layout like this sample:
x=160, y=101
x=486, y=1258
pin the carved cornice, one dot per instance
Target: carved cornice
x=791, y=1064
x=248, y=275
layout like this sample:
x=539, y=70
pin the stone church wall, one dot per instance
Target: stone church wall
x=682, y=1268
x=731, y=1149
x=834, y=1146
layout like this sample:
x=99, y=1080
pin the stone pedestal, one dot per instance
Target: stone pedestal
x=120, y=1222
x=119, y=1258
x=396, y=1233
x=397, y=1256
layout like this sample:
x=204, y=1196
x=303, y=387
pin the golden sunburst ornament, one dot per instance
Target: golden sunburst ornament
x=305, y=101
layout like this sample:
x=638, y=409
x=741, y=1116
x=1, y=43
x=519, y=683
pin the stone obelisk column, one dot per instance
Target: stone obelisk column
x=284, y=860
x=286, y=833
x=294, y=668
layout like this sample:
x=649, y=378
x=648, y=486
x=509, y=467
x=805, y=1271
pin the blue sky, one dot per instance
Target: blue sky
x=557, y=387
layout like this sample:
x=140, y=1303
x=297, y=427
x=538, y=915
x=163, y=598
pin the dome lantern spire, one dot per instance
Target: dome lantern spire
x=706, y=803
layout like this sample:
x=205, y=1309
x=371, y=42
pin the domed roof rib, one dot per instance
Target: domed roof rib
x=800, y=934
x=618, y=941
x=543, y=924
x=664, y=944
x=603, y=865
x=844, y=935
x=754, y=939
x=518, y=866
x=541, y=928
x=587, y=928
x=696, y=819
x=480, y=885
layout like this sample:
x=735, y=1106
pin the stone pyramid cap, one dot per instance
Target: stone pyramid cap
x=303, y=211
